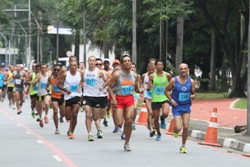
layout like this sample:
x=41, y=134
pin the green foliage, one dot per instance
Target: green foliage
x=242, y=104
x=4, y=18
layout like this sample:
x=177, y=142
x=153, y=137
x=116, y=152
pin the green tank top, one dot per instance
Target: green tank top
x=33, y=90
x=159, y=84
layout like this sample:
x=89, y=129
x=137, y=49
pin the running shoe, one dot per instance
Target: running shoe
x=90, y=137
x=68, y=132
x=123, y=137
x=126, y=147
x=163, y=123
x=152, y=133
x=133, y=127
x=46, y=119
x=99, y=134
x=33, y=115
x=19, y=112
x=158, y=137
x=175, y=134
x=61, y=120
x=71, y=135
x=116, y=130
x=105, y=123
x=183, y=150
x=57, y=131
x=41, y=123
x=108, y=113
x=13, y=107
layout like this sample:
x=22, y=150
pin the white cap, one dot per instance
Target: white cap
x=21, y=65
x=25, y=68
x=106, y=60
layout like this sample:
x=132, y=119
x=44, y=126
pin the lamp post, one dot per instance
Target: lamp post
x=50, y=54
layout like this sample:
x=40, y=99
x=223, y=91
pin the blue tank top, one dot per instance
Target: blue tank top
x=181, y=92
x=1, y=79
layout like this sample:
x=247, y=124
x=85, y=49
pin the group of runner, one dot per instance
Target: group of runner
x=99, y=89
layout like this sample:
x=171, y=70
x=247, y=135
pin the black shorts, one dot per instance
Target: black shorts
x=2, y=88
x=59, y=100
x=34, y=96
x=103, y=102
x=10, y=89
x=157, y=105
x=40, y=98
x=92, y=101
x=70, y=102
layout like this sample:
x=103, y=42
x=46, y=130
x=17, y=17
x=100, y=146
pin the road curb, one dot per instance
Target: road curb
x=225, y=142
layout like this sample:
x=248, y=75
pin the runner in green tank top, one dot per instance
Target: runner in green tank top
x=158, y=82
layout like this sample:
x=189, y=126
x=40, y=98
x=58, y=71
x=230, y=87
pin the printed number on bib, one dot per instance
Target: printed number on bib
x=184, y=96
x=73, y=88
x=43, y=85
x=127, y=90
x=35, y=88
x=18, y=81
x=149, y=93
x=90, y=81
x=159, y=90
x=55, y=88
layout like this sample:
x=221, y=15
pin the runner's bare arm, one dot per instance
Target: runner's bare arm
x=112, y=83
x=150, y=82
x=137, y=84
x=193, y=94
x=81, y=84
x=169, y=77
x=167, y=91
x=104, y=78
x=48, y=83
x=37, y=80
x=61, y=80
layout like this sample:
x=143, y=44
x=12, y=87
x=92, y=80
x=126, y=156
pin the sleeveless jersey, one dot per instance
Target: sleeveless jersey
x=33, y=90
x=42, y=85
x=181, y=92
x=147, y=94
x=91, y=83
x=1, y=79
x=56, y=92
x=159, y=84
x=10, y=83
x=18, y=82
x=125, y=84
x=72, y=83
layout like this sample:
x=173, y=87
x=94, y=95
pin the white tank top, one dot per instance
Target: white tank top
x=91, y=83
x=147, y=94
x=72, y=83
x=104, y=91
x=42, y=85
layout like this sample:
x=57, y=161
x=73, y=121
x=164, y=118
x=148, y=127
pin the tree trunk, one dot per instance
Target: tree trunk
x=179, y=43
x=134, y=46
x=223, y=82
x=212, y=62
x=77, y=39
x=106, y=49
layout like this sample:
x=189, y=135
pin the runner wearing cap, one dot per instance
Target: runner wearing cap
x=10, y=87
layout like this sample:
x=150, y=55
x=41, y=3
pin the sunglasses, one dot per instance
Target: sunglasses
x=56, y=69
x=98, y=64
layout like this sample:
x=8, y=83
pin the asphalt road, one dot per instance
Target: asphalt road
x=24, y=143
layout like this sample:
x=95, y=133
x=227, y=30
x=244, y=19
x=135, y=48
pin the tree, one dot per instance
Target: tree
x=4, y=18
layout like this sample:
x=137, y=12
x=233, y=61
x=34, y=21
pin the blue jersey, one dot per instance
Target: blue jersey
x=181, y=92
x=1, y=79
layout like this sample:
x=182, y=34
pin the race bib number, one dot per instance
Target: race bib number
x=43, y=85
x=159, y=90
x=127, y=90
x=18, y=81
x=55, y=88
x=149, y=93
x=11, y=82
x=184, y=96
x=90, y=81
x=35, y=88
x=73, y=88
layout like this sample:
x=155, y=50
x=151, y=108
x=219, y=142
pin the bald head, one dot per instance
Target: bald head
x=183, y=70
x=183, y=65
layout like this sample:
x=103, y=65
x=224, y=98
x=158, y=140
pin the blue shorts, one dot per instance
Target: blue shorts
x=178, y=110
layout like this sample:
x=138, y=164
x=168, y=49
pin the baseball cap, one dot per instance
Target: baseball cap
x=116, y=61
x=106, y=60
x=21, y=65
x=25, y=68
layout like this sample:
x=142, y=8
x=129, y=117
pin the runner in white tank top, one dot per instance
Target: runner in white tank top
x=41, y=80
x=148, y=97
x=92, y=85
x=71, y=83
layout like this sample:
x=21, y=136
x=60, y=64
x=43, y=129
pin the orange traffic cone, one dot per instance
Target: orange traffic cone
x=171, y=128
x=211, y=138
x=142, y=120
x=246, y=155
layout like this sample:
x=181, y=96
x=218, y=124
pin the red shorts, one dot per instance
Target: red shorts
x=109, y=98
x=124, y=101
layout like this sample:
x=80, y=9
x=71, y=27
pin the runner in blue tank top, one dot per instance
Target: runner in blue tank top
x=183, y=90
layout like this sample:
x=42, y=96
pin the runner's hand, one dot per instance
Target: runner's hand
x=173, y=102
x=68, y=91
x=114, y=103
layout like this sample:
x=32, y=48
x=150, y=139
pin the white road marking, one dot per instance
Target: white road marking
x=57, y=157
x=28, y=132
x=11, y=118
x=39, y=141
x=18, y=125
